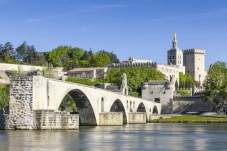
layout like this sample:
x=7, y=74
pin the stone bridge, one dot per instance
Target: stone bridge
x=47, y=94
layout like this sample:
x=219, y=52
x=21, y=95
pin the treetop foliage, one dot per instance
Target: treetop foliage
x=185, y=81
x=216, y=85
x=135, y=76
x=62, y=56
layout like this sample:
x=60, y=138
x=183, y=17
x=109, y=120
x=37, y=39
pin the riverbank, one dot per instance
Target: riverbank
x=192, y=119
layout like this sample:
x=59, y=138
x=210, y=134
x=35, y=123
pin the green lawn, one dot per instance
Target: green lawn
x=193, y=119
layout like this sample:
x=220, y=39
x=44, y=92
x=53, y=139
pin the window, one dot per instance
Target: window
x=157, y=100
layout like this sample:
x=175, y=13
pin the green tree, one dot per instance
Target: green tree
x=40, y=59
x=216, y=85
x=7, y=53
x=68, y=104
x=135, y=75
x=102, y=58
x=185, y=81
x=21, y=52
x=31, y=54
x=4, y=97
x=65, y=56
x=26, y=53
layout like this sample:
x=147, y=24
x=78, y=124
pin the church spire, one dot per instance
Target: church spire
x=175, y=41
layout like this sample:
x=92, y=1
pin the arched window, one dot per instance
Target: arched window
x=102, y=104
x=130, y=106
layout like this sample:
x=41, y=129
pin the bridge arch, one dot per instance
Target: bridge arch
x=141, y=108
x=118, y=106
x=155, y=110
x=85, y=109
x=102, y=104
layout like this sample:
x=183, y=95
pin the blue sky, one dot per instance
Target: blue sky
x=130, y=28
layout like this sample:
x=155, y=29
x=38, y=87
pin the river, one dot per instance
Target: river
x=152, y=136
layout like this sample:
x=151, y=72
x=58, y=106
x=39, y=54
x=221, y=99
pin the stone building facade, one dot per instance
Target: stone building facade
x=159, y=91
x=194, y=62
x=171, y=71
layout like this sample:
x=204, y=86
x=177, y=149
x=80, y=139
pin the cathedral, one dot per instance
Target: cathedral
x=193, y=60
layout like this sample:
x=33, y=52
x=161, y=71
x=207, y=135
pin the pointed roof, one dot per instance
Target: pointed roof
x=175, y=43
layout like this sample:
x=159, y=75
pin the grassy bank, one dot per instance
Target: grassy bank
x=192, y=119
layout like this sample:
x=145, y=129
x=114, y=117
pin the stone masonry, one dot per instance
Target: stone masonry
x=21, y=103
x=50, y=119
x=23, y=116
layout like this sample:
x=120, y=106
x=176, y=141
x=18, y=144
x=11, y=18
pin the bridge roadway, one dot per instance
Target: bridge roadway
x=91, y=101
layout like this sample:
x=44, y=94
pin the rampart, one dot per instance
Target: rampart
x=191, y=104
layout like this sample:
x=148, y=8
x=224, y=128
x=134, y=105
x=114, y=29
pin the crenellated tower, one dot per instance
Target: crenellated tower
x=194, y=62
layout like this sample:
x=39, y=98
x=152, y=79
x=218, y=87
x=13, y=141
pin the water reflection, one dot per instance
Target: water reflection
x=159, y=137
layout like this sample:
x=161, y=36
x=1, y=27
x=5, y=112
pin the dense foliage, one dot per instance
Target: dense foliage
x=135, y=75
x=216, y=85
x=4, y=97
x=185, y=81
x=23, y=54
x=62, y=56
x=68, y=104
x=71, y=57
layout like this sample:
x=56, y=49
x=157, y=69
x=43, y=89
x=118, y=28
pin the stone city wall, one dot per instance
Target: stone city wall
x=191, y=104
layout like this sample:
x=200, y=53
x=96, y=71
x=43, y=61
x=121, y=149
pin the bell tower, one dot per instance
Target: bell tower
x=175, y=55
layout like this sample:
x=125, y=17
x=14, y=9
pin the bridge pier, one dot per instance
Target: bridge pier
x=137, y=118
x=110, y=118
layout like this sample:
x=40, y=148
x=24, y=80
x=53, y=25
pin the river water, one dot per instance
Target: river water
x=153, y=136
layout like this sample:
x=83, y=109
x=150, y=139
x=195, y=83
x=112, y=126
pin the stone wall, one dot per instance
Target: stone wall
x=50, y=119
x=137, y=118
x=191, y=104
x=23, y=68
x=3, y=120
x=23, y=116
x=110, y=118
x=21, y=103
x=159, y=91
